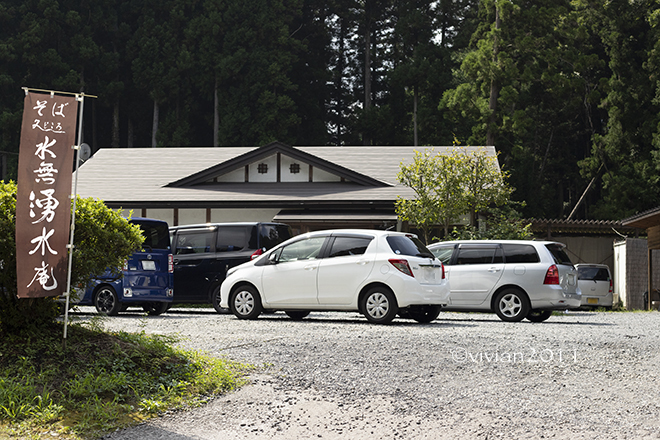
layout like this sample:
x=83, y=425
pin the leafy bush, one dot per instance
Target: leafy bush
x=103, y=239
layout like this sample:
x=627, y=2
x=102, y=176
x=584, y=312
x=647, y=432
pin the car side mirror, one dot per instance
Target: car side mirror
x=272, y=258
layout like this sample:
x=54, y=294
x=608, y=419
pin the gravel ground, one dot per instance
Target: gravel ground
x=581, y=375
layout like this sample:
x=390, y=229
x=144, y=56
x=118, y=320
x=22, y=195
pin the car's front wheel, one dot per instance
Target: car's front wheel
x=538, y=315
x=106, y=301
x=511, y=305
x=244, y=303
x=379, y=305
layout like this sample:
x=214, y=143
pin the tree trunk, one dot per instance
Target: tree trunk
x=216, y=114
x=115, y=126
x=494, y=88
x=154, y=127
x=129, y=134
x=367, y=66
x=415, y=115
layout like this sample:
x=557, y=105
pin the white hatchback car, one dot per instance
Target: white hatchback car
x=595, y=282
x=378, y=273
x=516, y=279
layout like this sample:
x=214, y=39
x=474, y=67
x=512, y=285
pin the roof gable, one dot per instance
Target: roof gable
x=275, y=149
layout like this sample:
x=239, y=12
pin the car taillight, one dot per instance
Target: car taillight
x=402, y=265
x=256, y=253
x=170, y=263
x=552, y=275
x=443, y=270
x=610, y=286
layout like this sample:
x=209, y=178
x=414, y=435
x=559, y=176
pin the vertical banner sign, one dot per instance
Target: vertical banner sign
x=43, y=204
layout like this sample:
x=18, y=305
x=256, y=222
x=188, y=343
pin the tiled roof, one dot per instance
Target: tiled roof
x=141, y=177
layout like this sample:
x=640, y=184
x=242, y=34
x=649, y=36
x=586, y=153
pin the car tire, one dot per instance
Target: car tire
x=106, y=301
x=215, y=300
x=297, y=315
x=424, y=314
x=538, y=315
x=379, y=305
x=155, y=308
x=245, y=303
x=511, y=305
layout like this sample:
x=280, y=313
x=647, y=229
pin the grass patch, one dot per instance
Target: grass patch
x=100, y=382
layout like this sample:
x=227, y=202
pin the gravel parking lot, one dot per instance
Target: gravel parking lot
x=333, y=375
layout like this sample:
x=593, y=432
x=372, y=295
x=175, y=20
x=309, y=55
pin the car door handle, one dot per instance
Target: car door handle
x=494, y=269
x=310, y=267
x=362, y=262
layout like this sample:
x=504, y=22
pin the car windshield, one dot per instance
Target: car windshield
x=443, y=254
x=559, y=254
x=408, y=245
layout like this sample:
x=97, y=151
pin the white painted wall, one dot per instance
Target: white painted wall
x=243, y=215
x=270, y=176
x=322, y=176
x=161, y=214
x=285, y=171
x=192, y=216
x=236, y=176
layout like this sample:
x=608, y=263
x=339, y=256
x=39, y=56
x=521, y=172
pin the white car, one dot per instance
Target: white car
x=378, y=273
x=595, y=282
x=516, y=279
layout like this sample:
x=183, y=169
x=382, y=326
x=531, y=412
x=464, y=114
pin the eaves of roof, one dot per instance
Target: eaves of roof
x=644, y=220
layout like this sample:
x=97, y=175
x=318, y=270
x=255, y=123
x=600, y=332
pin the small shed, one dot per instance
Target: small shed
x=649, y=221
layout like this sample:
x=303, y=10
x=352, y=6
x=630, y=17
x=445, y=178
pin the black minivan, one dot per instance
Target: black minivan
x=203, y=253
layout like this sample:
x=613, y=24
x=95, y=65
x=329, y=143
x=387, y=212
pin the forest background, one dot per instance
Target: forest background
x=567, y=91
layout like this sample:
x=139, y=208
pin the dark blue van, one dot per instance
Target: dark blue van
x=147, y=279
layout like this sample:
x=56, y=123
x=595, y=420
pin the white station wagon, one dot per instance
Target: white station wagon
x=378, y=273
x=516, y=279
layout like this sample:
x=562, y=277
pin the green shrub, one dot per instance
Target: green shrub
x=103, y=239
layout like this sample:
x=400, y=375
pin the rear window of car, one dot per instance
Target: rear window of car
x=408, y=245
x=559, y=254
x=272, y=235
x=520, y=253
x=156, y=234
x=344, y=246
x=593, y=274
x=231, y=238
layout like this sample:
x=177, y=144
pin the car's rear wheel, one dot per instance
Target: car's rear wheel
x=106, y=301
x=424, y=314
x=511, y=305
x=379, y=305
x=244, y=303
x=155, y=308
x=297, y=315
x=538, y=315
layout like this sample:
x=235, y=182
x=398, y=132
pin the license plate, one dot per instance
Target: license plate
x=148, y=265
x=592, y=300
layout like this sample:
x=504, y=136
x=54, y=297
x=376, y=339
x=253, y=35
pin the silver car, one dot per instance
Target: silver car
x=516, y=279
x=595, y=282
